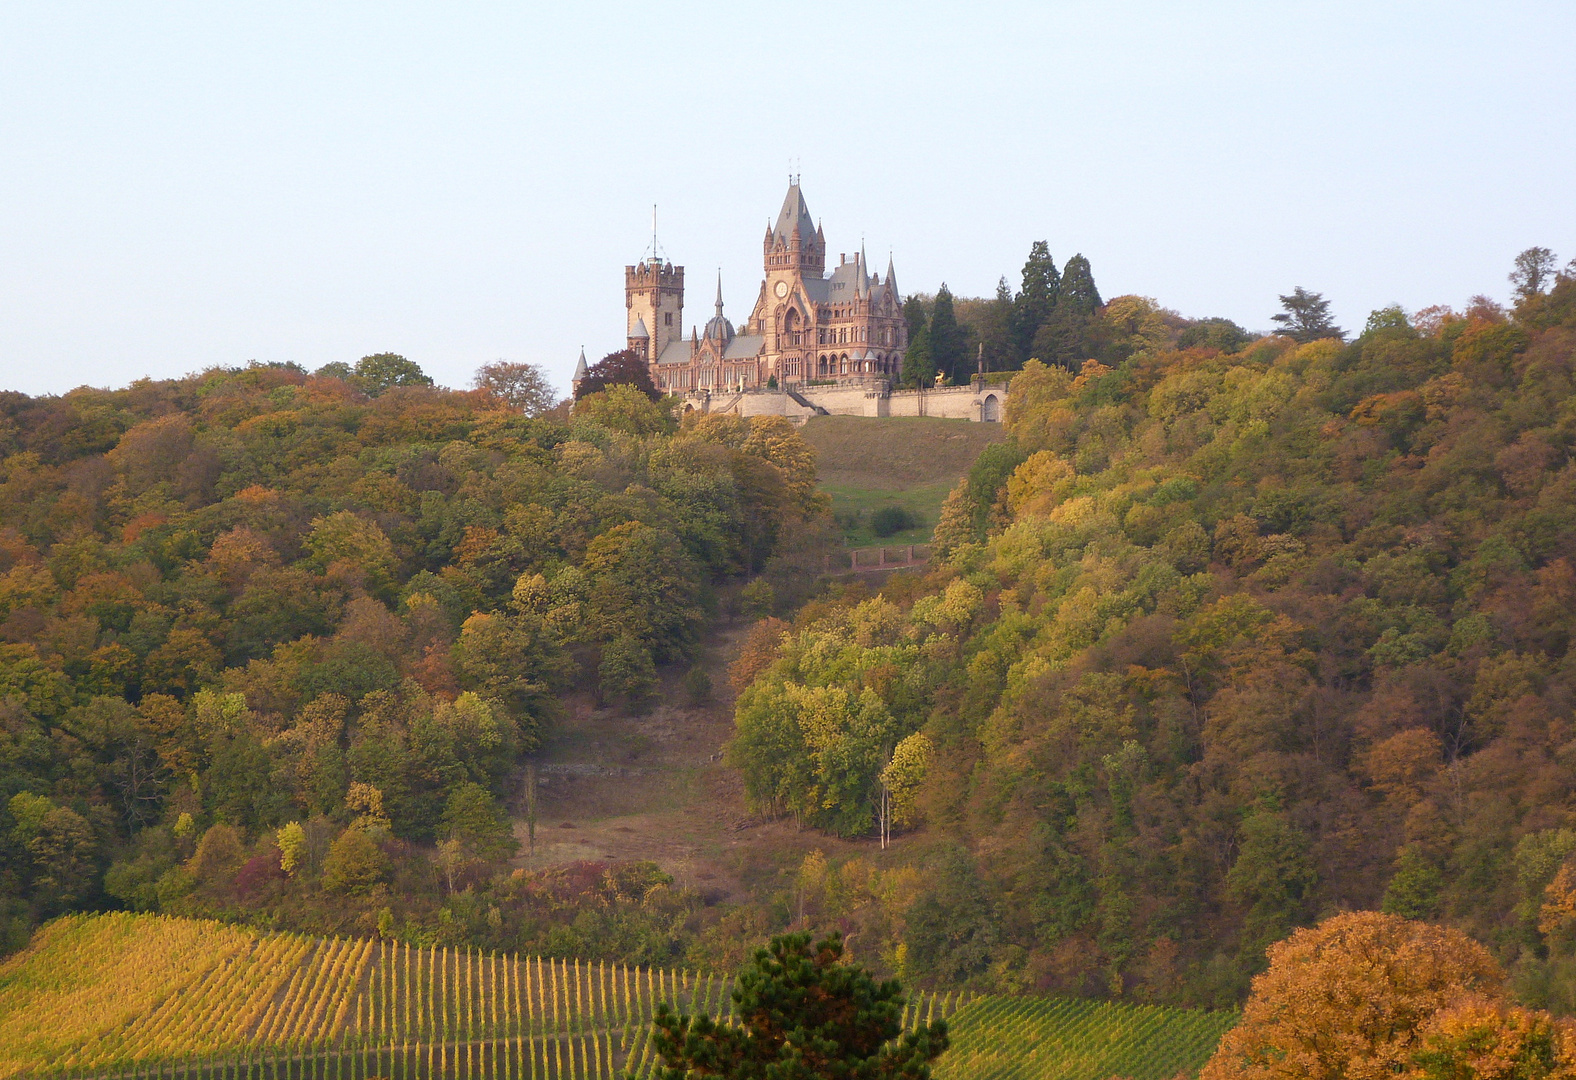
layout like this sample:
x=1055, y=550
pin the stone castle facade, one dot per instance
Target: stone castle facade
x=807, y=325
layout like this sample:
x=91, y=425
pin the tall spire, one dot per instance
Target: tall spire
x=891, y=277
x=719, y=293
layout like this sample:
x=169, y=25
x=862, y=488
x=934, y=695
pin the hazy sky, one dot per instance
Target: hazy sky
x=183, y=185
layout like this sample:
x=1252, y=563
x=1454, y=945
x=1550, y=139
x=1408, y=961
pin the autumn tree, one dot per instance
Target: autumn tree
x=522, y=387
x=800, y=1012
x=622, y=368
x=1349, y=998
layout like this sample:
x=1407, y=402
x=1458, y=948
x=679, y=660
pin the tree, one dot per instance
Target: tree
x=642, y=584
x=1064, y=337
x=1479, y=1038
x=626, y=672
x=622, y=368
x=354, y=864
x=946, y=337
x=1307, y=317
x=1037, y=299
x=1534, y=269
x=1349, y=997
x=519, y=386
x=623, y=407
x=800, y=1013
x=473, y=817
x=918, y=367
x=381, y=372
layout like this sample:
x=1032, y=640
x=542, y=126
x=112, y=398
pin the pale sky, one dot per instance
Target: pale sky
x=190, y=184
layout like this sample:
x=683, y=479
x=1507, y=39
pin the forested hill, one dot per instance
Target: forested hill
x=253, y=597
x=1222, y=643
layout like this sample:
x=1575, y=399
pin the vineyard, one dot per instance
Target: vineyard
x=1004, y=1038
x=148, y=996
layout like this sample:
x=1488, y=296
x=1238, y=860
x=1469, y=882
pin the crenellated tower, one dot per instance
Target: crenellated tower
x=654, y=299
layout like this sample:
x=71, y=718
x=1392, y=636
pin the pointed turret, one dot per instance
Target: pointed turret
x=640, y=331
x=580, y=368
x=891, y=278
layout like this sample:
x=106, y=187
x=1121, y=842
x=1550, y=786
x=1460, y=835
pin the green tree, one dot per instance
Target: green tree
x=626, y=672
x=946, y=338
x=625, y=408
x=354, y=864
x=801, y=1013
x=473, y=817
x=1306, y=317
x=641, y=583
x=382, y=372
x=1272, y=877
x=1064, y=337
x=919, y=368
x=1035, y=302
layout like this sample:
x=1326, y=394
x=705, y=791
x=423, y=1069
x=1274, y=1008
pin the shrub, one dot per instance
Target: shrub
x=697, y=686
x=890, y=520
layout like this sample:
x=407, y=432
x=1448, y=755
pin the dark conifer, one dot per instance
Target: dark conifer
x=946, y=337
x=1064, y=338
x=801, y=1014
x=1034, y=304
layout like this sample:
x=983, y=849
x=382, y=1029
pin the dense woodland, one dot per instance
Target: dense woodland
x=274, y=645
x=1224, y=641
x=1232, y=634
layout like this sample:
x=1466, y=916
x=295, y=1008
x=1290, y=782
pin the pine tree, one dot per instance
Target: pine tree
x=946, y=337
x=1307, y=317
x=1034, y=304
x=1064, y=337
x=800, y=1013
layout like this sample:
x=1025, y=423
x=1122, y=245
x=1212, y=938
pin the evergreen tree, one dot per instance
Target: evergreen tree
x=1307, y=317
x=946, y=337
x=1034, y=304
x=916, y=314
x=1064, y=337
x=996, y=331
x=801, y=1013
x=918, y=367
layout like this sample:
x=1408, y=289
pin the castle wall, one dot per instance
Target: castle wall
x=977, y=401
x=982, y=401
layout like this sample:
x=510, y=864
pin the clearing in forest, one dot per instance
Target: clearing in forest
x=868, y=463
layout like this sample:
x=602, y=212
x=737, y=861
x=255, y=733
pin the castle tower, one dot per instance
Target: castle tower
x=795, y=242
x=654, y=299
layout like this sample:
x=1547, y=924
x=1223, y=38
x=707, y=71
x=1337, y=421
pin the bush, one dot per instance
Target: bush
x=890, y=520
x=697, y=686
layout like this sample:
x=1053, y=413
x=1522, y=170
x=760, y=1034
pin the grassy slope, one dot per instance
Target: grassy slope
x=866, y=463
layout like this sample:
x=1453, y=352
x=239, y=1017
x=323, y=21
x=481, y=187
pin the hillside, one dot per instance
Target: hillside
x=1217, y=643
x=867, y=463
x=123, y=992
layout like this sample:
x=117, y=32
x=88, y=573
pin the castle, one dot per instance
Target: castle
x=807, y=325
x=815, y=342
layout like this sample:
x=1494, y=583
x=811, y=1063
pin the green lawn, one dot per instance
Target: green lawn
x=853, y=504
x=866, y=463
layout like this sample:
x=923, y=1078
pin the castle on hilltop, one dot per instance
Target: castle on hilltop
x=807, y=325
x=815, y=342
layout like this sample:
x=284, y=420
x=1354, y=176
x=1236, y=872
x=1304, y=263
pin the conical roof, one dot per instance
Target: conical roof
x=640, y=330
x=580, y=368
x=794, y=214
